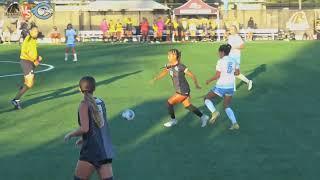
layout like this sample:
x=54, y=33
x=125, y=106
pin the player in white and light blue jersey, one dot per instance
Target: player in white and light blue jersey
x=71, y=35
x=237, y=44
x=226, y=70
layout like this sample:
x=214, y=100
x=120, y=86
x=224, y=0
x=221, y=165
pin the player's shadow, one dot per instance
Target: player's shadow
x=255, y=73
x=68, y=91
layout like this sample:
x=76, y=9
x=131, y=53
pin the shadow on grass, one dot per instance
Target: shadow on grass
x=278, y=138
x=68, y=91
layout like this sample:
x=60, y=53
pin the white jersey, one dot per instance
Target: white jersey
x=226, y=66
x=235, y=41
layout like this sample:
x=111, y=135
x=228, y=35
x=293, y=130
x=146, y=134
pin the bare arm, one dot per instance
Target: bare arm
x=161, y=75
x=194, y=78
x=215, y=77
x=84, y=121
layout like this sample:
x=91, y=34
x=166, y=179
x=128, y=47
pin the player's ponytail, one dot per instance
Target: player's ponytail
x=87, y=86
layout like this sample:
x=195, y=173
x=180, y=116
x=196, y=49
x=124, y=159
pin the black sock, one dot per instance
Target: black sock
x=195, y=110
x=171, y=111
x=76, y=178
x=109, y=178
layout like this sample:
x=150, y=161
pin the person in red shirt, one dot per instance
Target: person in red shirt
x=144, y=27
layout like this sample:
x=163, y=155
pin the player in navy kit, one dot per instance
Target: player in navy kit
x=96, y=146
x=177, y=72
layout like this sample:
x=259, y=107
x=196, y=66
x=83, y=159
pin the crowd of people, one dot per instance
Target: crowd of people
x=161, y=29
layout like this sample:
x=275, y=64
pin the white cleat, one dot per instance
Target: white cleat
x=234, y=126
x=171, y=123
x=250, y=84
x=204, y=120
x=75, y=60
x=65, y=59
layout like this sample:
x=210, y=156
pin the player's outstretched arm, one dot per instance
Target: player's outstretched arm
x=215, y=77
x=194, y=78
x=161, y=75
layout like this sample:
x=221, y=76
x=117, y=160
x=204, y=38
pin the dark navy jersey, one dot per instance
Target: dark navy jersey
x=97, y=144
x=180, y=83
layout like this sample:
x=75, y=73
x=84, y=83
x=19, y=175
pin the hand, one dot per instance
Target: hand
x=208, y=82
x=237, y=72
x=67, y=137
x=39, y=58
x=79, y=142
x=36, y=63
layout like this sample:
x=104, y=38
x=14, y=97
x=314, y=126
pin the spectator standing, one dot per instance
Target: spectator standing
x=104, y=27
x=144, y=28
x=160, y=25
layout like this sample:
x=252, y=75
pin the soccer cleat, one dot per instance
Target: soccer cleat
x=65, y=59
x=214, y=117
x=16, y=103
x=171, y=123
x=75, y=60
x=204, y=120
x=250, y=84
x=235, y=126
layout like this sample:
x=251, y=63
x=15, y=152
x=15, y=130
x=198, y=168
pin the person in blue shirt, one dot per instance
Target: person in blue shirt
x=71, y=35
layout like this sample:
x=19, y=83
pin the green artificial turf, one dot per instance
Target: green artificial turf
x=279, y=118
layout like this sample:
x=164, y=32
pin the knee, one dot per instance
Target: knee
x=29, y=81
x=169, y=104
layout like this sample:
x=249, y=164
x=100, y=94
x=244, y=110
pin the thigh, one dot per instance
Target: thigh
x=186, y=102
x=105, y=171
x=227, y=101
x=177, y=98
x=27, y=67
x=211, y=95
x=84, y=169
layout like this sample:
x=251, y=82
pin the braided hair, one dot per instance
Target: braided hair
x=87, y=86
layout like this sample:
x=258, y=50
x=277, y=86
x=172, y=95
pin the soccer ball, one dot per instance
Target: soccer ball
x=128, y=114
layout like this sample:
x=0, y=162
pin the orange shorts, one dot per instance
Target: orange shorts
x=178, y=98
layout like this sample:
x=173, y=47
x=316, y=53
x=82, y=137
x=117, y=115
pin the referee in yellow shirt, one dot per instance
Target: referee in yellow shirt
x=29, y=60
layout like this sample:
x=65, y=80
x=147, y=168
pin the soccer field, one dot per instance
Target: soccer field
x=279, y=118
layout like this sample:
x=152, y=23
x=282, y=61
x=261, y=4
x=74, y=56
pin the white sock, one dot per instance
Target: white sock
x=243, y=78
x=209, y=105
x=230, y=115
x=75, y=56
x=66, y=56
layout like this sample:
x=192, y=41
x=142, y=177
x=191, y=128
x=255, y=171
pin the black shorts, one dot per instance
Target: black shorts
x=27, y=67
x=97, y=164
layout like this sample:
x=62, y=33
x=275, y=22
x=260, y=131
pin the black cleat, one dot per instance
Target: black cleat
x=16, y=103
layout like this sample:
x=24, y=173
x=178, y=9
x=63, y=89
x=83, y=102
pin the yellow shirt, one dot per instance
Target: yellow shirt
x=155, y=28
x=175, y=24
x=128, y=21
x=29, y=50
x=119, y=27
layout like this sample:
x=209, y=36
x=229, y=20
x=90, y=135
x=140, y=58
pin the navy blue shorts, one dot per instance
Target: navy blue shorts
x=97, y=164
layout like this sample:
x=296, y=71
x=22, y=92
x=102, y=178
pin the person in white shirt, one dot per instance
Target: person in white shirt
x=226, y=70
x=237, y=45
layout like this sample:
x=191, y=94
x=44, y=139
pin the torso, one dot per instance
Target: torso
x=97, y=144
x=180, y=83
x=226, y=66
